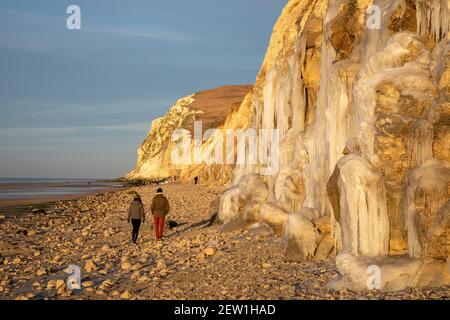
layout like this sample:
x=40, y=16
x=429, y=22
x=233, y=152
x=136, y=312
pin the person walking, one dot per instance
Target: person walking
x=160, y=208
x=195, y=180
x=136, y=216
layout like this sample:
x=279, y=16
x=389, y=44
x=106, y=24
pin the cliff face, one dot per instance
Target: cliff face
x=211, y=107
x=363, y=116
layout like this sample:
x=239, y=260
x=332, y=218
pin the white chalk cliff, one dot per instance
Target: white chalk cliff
x=212, y=107
x=364, y=121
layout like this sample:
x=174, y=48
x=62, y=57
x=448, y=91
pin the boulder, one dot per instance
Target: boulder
x=426, y=208
x=323, y=224
x=274, y=216
x=388, y=273
x=302, y=238
x=325, y=248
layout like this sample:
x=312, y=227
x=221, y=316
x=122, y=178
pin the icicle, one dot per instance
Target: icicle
x=364, y=218
x=298, y=88
x=420, y=143
x=433, y=18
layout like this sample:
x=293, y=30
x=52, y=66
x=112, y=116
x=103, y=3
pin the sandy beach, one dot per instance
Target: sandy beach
x=196, y=260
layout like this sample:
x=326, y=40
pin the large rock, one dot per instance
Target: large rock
x=242, y=202
x=274, y=216
x=426, y=209
x=302, y=236
x=388, y=273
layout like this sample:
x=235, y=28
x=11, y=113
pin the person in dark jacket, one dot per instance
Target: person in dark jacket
x=160, y=208
x=136, y=216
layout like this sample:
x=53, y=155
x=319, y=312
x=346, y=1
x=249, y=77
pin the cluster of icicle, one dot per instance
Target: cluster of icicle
x=433, y=18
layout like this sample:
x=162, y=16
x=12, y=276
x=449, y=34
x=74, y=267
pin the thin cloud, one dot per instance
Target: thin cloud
x=144, y=33
x=25, y=17
x=39, y=20
x=41, y=131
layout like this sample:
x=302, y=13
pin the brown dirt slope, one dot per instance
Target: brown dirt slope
x=217, y=103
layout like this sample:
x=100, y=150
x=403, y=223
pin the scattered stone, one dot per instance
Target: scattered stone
x=87, y=284
x=60, y=283
x=137, y=266
x=41, y=272
x=150, y=263
x=210, y=251
x=126, y=295
x=125, y=266
x=38, y=211
x=201, y=256
x=106, y=248
x=144, y=279
x=51, y=284
x=90, y=266
x=31, y=233
x=160, y=264
x=30, y=295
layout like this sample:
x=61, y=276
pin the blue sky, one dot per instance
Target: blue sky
x=78, y=103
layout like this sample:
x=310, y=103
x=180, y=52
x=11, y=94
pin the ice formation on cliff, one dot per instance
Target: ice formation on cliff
x=329, y=84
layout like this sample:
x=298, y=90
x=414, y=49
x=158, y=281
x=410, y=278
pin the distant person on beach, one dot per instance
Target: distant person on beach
x=160, y=208
x=136, y=216
x=196, y=180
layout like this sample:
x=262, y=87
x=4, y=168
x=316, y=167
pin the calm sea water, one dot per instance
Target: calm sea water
x=40, y=180
x=25, y=188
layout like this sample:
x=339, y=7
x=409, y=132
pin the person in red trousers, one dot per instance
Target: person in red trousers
x=160, y=208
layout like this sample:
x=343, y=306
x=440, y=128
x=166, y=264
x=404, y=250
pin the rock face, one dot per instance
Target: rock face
x=363, y=116
x=211, y=107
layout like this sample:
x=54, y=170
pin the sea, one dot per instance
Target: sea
x=26, y=188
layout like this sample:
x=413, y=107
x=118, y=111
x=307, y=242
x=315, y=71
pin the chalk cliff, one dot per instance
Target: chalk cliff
x=363, y=114
x=211, y=107
x=359, y=94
